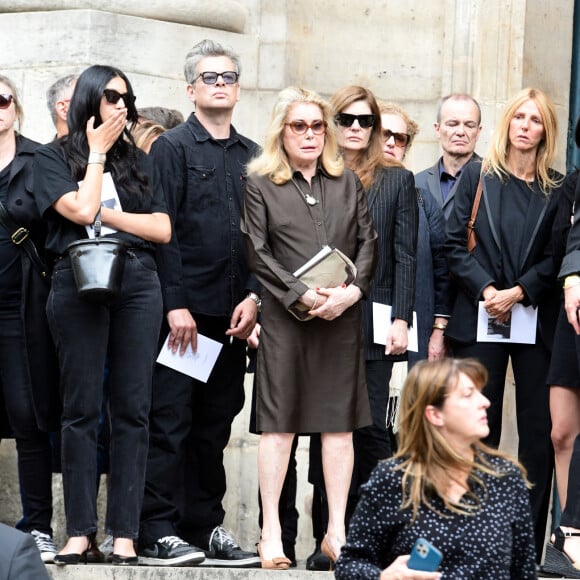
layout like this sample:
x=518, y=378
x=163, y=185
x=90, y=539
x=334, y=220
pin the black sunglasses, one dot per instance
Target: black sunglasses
x=5, y=100
x=401, y=139
x=114, y=97
x=229, y=77
x=364, y=121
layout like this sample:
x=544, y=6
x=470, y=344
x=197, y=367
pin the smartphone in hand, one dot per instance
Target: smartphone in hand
x=424, y=557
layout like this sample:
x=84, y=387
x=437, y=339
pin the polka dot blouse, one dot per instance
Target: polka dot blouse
x=495, y=542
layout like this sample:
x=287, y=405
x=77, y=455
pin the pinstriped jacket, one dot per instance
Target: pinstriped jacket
x=393, y=207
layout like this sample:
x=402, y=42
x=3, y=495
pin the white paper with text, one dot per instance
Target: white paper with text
x=197, y=365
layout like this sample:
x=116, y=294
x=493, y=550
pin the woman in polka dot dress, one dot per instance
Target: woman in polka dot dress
x=469, y=501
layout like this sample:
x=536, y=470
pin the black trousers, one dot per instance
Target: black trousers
x=189, y=428
x=373, y=443
x=85, y=333
x=530, y=366
x=32, y=444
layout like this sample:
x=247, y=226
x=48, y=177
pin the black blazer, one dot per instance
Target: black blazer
x=43, y=363
x=537, y=268
x=571, y=261
x=393, y=207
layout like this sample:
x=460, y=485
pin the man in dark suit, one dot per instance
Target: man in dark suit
x=19, y=556
x=458, y=127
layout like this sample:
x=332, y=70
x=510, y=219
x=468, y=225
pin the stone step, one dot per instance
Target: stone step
x=108, y=572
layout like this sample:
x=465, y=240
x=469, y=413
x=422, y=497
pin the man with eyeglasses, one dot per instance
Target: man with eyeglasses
x=207, y=289
x=458, y=127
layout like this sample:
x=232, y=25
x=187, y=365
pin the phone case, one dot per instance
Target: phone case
x=424, y=557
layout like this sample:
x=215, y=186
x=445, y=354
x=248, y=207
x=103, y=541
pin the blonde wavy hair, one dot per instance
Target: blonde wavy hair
x=145, y=132
x=428, y=458
x=496, y=161
x=273, y=161
x=371, y=160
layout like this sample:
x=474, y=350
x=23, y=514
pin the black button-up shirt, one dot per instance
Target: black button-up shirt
x=204, y=266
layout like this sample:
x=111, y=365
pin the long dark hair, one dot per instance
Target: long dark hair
x=85, y=103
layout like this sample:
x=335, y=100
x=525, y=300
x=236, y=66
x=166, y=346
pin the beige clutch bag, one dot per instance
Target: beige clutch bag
x=329, y=268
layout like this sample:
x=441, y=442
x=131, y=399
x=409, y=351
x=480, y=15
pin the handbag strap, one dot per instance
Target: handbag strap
x=475, y=207
x=20, y=236
x=97, y=224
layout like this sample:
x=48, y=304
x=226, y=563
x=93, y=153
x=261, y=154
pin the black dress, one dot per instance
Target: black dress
x=564, y=368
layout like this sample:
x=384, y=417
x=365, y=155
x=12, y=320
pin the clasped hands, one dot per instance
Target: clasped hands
x=498, y=303
x=330, y=303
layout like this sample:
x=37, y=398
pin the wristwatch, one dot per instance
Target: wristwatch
x=253, y=296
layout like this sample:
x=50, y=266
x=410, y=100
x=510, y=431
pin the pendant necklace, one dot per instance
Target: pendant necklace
x=308, y=198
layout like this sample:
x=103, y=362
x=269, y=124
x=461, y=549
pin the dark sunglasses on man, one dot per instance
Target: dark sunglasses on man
x=229, y=77
x=364, y=121
x=5, y=100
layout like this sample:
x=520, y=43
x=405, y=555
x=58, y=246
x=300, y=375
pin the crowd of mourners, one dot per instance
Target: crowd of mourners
x=447, y=276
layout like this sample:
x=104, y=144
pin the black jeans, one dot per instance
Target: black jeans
x=530, y=364
x=190, y=425
x=127, y=329
x=32, y=444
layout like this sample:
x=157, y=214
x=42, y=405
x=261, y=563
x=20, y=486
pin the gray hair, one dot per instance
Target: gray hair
x=204, y=49
x=457, y=97
x=56, y=92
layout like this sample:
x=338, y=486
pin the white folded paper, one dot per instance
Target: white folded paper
x=197, y=364
x=382, y=326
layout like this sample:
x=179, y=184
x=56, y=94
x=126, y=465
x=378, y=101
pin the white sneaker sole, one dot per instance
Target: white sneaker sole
x=253, y=562
x=186, y=560
x=47, y=557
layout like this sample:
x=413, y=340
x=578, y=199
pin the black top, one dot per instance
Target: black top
x=10, y=268
x=564, y=216
x=515, y=200
x=204, y=266
x=496, y=541
x=52, y=179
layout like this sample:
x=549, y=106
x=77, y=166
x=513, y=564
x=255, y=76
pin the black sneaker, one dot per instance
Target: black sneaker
x=45, y=546
x=170, y=551
x=223, y=551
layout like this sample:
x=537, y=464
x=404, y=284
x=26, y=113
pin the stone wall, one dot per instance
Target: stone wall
x=411, y=52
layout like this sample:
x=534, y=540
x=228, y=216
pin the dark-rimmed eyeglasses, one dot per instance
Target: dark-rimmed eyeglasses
x=229, y=77
x=5, y=100
x=401, y=139
x=301, y=127
x=364, y=121
x=112, y=96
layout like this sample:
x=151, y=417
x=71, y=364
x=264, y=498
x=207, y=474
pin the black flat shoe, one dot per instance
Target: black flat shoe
x=118, y=560
x=66, y=559
x=556, y=560
x=72, y=559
